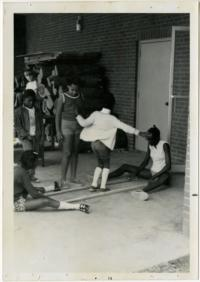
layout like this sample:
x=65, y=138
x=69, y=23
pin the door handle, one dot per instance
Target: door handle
x=166, y=103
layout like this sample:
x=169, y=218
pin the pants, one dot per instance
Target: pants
x=33, y=144
x=145, y=174
x=102, y=154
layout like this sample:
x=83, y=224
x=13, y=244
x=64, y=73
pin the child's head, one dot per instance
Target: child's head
x=71, y=86
x=41, y=90
x=154, y=135
x=29, y=98
x=108, y=101
x=30, y=75
x=29, y=159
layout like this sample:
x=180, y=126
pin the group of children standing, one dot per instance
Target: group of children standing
x=100, y=129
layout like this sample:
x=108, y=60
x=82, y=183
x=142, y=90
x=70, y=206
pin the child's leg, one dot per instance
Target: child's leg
x=96, y=176
x=145, y=173
x=155, y=183
x=104, y=155
x=27, y=145
x=122, y=169
x=74, y=157
x=39, y=203
x=142, y=194
x=66, y=156
x=48, y=202
x=98, y=169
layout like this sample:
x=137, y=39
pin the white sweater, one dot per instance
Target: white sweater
x=103, y=126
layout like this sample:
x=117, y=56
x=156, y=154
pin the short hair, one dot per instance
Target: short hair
x=108, y=101
x=65, y=81
x=72, y=80
x=155, y=132
x=29, y=93
x=30, y=71
x=28, y=159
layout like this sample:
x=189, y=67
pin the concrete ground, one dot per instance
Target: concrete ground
x=120, y=234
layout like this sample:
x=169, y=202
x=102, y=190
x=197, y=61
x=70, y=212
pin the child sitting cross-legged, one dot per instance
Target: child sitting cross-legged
x=23, y=188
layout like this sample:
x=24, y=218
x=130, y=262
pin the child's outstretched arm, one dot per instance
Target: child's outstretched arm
x=58, y=118
x=129, y=129
x=85, y=122
x=126, y=128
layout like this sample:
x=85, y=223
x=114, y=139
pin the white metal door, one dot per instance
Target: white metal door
x=153, y=87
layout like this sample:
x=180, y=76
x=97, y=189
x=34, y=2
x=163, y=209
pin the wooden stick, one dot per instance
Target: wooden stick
x=102, y=194
x=51, y=193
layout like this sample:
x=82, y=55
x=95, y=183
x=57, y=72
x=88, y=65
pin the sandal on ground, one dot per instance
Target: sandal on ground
x=140, y=195
x=93, y=189
x=84, y=208
x=104, y=189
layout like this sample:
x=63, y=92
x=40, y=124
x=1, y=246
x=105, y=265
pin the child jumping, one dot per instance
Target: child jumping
x=23, y=187
x=100, y=128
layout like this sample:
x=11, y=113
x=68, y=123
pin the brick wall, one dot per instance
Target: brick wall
x=20, y=42
x=186, y=207
x=116, y=36
x=181, y=105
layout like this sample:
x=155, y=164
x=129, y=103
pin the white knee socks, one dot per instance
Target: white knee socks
x=104, y=179
x=97, y=174
x=68, y=206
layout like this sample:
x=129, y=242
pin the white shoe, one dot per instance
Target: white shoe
x=140, y=195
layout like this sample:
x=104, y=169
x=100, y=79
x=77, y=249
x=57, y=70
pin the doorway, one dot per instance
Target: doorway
x=153, y=88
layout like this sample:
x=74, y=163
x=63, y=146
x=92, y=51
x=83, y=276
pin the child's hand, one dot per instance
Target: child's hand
x=59, y=137
x=144, y=134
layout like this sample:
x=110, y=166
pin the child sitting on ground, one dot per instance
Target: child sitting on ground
x=100, y=129
x=159, y=173
x=23, y=188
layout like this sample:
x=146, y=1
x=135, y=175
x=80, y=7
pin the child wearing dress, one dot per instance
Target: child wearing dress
x=100, y=128
x=23, y=188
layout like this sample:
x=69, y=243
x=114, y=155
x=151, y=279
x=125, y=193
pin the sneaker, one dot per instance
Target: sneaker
x=93, y=189
x=84, y=208
x=140, y=195
x=104, y=189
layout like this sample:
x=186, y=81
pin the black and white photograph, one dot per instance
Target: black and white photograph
x=101, y=148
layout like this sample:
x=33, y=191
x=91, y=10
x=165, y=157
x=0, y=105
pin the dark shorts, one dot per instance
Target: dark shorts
x=32, y=144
